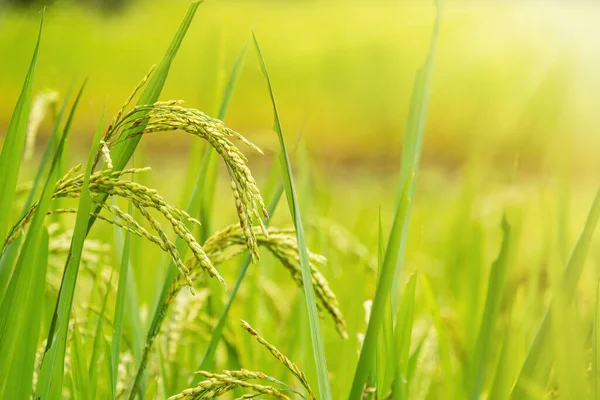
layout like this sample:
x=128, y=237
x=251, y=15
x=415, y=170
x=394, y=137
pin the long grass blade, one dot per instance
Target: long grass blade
x=443, y=341
x=539, y=360
x=290, y=191
x=392, y=266
x=98, y=346
x=123, y=150
x=384, y=286
x=120, y=308
x=595, y=375
x=108, y=358
x=481, y=361
x=21, y=373
x=14, y=142
x=52, y=370
x=404, y=325
x=413, y=141
x=131, y=323
x=505, y=375
x=79, y=373
x=570, y=362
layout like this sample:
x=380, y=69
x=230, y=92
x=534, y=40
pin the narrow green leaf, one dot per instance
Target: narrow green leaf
x=385, y=365
x=55, y=164
x=413, y=141
x=14, y=142
x=442, y=339
x=539, y=360
x=389, y=280
x=124, y=149
x=290, y=191
x=234, y=76
x=162, y=365
x=481, y=361
x=21, y=374
x=403, y=331
x=596, y=348
x=78, y=365
x=98, y=346
x=52, y=370
x=7, y=264
x=132, y=322
x=571, y=362
x=412, y=361
x=10, y=252
x=375, y=378
x=120, y=308
x=384, y=286
x=504, y=376
x=108, y=359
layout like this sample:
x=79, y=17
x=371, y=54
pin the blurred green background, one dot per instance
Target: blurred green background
x=515, y=82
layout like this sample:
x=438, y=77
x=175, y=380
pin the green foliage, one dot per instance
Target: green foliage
x=14, y=143
x=52, y=369
x=464, y=304
x=20, y=313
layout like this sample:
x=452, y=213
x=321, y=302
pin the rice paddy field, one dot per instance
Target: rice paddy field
x=300, y=200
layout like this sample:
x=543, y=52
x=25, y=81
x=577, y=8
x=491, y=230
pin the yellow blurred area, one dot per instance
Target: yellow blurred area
x=513, y=82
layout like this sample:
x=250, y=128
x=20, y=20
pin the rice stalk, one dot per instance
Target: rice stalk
x=143, y=198
x=169, y=116
x=134, y=227
x=282, y=243
x=294, y=369
x=218, y=384
x=229, y=243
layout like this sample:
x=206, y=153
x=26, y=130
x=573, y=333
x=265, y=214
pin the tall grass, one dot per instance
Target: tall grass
x=109, y=289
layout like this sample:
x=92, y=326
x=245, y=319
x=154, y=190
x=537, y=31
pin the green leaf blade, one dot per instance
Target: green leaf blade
x=120, y=309
x=539, y=361
x=12, y=150
x=123, y=150
x=486, y=334
x=403, y=331
x=290, y=191
x=22, y=368
x=52, y=371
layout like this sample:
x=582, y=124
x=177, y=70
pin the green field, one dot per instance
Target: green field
x=429, y=173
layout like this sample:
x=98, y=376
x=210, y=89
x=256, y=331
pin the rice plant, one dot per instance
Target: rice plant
x=109, y=288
